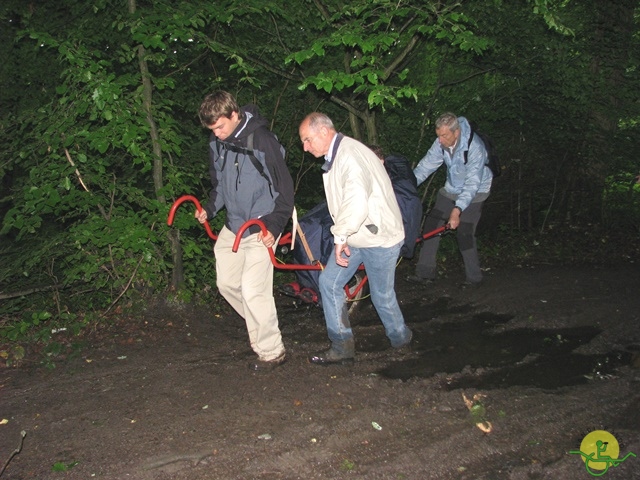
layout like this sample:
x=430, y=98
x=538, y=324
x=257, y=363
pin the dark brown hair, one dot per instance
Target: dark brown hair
x=216, y=105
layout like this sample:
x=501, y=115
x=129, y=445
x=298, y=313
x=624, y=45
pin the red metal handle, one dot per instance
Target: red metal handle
x=285, y=239
x=274, y=260
x=432, y=233
x=243, y=228
x=189, y=198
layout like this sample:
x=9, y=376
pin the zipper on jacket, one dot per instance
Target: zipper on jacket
x=238, y=182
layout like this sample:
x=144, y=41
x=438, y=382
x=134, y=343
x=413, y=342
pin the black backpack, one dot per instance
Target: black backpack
x=405, y=187
x=493, y=161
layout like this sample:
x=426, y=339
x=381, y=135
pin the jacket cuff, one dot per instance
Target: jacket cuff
x=339, y=239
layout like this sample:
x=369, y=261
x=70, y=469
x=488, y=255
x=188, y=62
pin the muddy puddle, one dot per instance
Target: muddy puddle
x=472, y=349
x=478, y=353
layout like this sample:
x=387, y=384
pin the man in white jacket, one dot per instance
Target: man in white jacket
x=367, y=230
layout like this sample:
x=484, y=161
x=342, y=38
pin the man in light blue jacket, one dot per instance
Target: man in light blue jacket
x=459, y=202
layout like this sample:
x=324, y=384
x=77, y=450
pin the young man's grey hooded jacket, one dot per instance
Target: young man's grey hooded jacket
x=249, y=176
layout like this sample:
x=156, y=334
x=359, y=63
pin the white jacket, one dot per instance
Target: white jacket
x=360, y=198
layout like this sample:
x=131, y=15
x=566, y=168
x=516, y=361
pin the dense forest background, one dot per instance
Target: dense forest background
x=99, y=131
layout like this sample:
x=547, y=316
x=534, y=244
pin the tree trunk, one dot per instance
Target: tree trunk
x=371, y=127
x=354, y=122
x=177, y=275
x=147, y=103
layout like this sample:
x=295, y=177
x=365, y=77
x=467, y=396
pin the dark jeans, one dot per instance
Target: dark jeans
x=466, y=237
x=380, y=265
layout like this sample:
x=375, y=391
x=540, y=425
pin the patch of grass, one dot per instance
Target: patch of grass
x=347, y=465
x=63, y=466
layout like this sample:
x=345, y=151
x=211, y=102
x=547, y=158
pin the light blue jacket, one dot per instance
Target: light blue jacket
x=463, y=181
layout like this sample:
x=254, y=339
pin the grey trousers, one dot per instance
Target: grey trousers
x=466, y=237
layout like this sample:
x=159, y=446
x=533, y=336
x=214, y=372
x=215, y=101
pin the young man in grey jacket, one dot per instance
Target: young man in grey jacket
x=367, y=230
x=459, y=203
x=249, y=178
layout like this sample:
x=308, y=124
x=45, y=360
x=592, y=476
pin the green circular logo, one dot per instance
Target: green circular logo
x=597, y=445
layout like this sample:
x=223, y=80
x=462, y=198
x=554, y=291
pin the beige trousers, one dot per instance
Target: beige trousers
x=245, y=280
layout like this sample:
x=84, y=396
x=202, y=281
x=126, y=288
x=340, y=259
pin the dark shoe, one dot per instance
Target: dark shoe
x=267, y=366
x=330, y=357
x=467, y=285
x=403, y=350
x=418, y=280
x=406, y=345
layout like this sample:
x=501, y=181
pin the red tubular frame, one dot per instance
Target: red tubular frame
x=274, y=260
x=189, y=198
x=432, y=233
x=285, y=239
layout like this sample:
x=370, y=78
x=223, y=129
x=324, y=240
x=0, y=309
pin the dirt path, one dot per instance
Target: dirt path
x=553, y=351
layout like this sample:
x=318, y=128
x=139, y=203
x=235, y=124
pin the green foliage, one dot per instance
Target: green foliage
x=13, y=355
x=91, y=158
x=371, y=38
x=23, y=329
x=549, y=10
x=88, y=155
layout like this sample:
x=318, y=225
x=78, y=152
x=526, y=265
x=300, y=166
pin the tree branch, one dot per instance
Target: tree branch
x=468, y=77
x=23, y=293
x=15, y=452
x=66, y=152
x=323, y=10
x=348, y=107
x=400, y=58
x=217, y=46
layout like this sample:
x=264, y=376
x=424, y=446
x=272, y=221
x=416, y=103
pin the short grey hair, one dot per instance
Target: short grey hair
x=449, y=120
x=317, y=120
